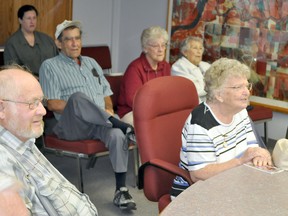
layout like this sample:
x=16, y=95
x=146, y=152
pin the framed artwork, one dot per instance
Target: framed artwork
x=253, y=31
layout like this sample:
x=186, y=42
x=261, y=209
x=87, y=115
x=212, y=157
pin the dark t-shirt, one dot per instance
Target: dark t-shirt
x=17, y=50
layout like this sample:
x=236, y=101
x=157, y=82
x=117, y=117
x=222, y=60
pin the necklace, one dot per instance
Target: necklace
x=225, y=144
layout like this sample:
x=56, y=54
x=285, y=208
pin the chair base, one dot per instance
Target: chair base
x=84, y=149
x=163, y=202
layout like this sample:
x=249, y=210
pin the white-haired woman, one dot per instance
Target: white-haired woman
x=218, y=134
x=148, y=66
x=190, y=64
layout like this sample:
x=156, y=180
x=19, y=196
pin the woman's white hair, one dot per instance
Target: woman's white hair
x=185, y=45
x=219, y=71
x=153, y=33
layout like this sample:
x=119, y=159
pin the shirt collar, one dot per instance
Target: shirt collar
x=186, y=60
x=11, y=141
x=147, y=67
x=68, y=59
x=37, y=41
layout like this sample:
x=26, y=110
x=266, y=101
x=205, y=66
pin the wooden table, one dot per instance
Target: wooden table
x=241, y=191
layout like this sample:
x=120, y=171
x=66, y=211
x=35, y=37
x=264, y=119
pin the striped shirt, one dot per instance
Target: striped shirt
x=205, y=140
x=26, y=163
x=61, y=76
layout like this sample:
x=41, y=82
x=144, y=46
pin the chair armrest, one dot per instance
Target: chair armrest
x=163, y=165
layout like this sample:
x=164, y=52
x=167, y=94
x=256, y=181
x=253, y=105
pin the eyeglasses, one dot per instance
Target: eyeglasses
x=158, y=46
x=241, y=87
x=32, y=105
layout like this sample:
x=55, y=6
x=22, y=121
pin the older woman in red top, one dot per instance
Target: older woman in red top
x=148, y=66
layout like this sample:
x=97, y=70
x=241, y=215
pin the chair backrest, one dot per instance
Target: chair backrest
x=115, y=83
x=100, y=53
x=160, y=109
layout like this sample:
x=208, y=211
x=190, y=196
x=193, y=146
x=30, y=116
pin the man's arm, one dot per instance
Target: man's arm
x=56, y=105
x=10, y=55
x=109, y=105
x=10, y=201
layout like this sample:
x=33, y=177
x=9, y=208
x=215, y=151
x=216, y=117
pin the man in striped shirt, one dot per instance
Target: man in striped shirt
x=79, y=96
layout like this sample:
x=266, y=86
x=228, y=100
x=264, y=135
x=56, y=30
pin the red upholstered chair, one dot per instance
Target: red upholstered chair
x=82, y=149
x=115, y=83
x=160, y=109
x=89, y=149
x=261, y=114
x=101, y=54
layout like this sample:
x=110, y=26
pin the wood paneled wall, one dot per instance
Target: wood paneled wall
x=51, y=13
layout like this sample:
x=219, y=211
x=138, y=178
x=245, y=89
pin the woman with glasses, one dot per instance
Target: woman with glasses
x=148, y=66
x=218, y=134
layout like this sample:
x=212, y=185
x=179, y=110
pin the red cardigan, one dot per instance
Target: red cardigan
x=138, y=72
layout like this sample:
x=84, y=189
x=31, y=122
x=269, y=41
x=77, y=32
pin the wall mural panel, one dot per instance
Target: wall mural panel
x=252, y=31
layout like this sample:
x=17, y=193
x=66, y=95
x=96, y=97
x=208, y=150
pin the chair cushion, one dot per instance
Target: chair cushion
x=260, y=113
x=79, y=146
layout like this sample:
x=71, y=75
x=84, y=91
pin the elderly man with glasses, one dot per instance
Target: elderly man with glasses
x=45, y=191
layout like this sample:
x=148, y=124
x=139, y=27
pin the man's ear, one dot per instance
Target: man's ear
x=58, y=44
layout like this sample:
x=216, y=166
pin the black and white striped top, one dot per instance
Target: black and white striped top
x=206, y=140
